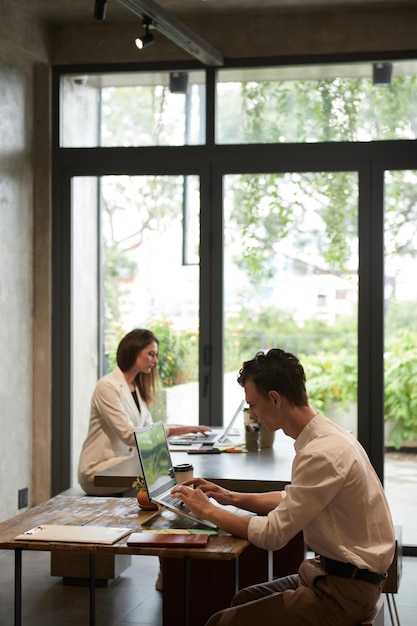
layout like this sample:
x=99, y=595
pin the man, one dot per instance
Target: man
x=335, y=497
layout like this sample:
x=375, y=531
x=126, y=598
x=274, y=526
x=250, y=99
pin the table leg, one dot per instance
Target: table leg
x=18, y=587
x=211, y=585
x=92, y=589
x=186, y=591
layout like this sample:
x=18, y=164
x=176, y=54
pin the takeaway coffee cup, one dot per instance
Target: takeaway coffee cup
x=183, y=472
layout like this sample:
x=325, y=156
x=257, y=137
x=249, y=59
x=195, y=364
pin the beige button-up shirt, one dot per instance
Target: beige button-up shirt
x=335, y=497
x=114, y=417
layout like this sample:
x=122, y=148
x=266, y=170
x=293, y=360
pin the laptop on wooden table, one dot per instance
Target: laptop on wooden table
x=158, y=470
x=216, y=438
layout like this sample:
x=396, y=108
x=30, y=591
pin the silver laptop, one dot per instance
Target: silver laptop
x=218, y=437
x=158, y=470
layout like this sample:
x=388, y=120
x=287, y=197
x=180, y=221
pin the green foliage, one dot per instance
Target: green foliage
x=306, y=111
x=270, y=209
x=178, y=353
x=119, y=269
x=332, y=380
x=252, y=331
x=401, y=389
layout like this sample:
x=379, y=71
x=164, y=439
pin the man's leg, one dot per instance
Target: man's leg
x=310, y=599
x=282, y=601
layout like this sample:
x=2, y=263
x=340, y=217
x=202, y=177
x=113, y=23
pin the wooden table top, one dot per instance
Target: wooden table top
x=265, y=470
x=97, y=511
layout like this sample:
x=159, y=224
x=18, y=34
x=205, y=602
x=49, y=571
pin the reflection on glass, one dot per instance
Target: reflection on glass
x=291, y=279
x=84, y=301
x=133, y=109
x=400, y=362
x=148, y=284
x=311, y=104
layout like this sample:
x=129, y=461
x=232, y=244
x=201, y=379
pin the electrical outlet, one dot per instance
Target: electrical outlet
x=22, y=498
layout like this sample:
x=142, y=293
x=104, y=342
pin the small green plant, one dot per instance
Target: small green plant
x=139, y=483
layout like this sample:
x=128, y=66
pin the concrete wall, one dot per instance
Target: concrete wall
x=17, y=286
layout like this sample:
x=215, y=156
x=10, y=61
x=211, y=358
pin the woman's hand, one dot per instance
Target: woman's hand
x=182, y=429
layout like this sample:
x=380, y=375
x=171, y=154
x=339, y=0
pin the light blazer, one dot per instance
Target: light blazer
x=113, y=418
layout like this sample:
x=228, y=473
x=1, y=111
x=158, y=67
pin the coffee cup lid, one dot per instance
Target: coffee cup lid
x=183, y=467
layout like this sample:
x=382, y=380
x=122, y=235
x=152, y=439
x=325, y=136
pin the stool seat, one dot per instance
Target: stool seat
x=377, y=616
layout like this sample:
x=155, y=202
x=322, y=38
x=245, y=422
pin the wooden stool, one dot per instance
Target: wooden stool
x=377, y=616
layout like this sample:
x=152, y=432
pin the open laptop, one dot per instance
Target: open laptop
x=158, y=470
x=217, y=437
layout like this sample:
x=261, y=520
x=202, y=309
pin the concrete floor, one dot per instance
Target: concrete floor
x=400, y=480
x=131, y=600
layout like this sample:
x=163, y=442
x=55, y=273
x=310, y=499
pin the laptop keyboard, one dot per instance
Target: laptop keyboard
x=206, y=438
x=175, y=502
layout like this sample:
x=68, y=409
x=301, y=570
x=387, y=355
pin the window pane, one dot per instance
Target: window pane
x=291, y=280
x=151, y=278
x=400, y=363
x=133, y=109
x=311, y=104
x=85, y=299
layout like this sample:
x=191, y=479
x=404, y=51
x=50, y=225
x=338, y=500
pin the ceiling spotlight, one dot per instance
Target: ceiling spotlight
x=147, y=38
x=100, y=9
x=382, y=74
x=176, y=31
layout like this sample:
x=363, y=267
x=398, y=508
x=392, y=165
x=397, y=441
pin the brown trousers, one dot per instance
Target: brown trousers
x=309, y=598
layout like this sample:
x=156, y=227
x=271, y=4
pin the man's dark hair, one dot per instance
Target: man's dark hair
x=276, y=370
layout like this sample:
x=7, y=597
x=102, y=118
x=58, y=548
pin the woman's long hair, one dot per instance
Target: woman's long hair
x=127, y=352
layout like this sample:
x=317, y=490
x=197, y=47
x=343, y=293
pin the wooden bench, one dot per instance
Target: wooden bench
x=377, y=616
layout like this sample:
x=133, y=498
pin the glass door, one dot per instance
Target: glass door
x=139, y=238
x=291, y=280
x=400, y=349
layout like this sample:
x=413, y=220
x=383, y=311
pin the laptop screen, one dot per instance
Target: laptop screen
x=155, y=459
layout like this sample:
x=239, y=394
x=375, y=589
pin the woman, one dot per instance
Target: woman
x=119, y=406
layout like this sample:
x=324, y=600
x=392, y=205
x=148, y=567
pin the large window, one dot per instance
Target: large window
x=131, y=109
x=400, y=347
x=291, y=279
x=284, y=231
x=310, y=104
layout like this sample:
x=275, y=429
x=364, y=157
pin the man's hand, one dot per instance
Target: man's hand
x=195, y=499
x=223, y=496
x=198, y=501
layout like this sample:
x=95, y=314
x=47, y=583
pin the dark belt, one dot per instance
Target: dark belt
x=347, y=570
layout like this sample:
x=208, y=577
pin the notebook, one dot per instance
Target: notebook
x=217, y=438
x=158, y=470
x=75, y=534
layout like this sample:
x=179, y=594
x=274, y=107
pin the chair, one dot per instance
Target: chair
x=377, y=616
x=392, y=583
